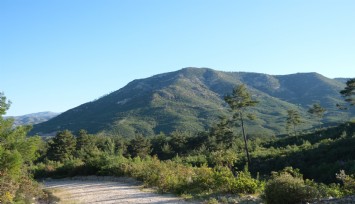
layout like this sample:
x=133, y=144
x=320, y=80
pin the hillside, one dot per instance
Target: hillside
x=33, y=118
x=192, y=99
x=319, y=155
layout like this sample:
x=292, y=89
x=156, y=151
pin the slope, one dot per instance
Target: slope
x=33, y=118
x=191, y=99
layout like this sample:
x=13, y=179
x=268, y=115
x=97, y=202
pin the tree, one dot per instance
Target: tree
x=4, y=104
x=139, y=146
x=17, y=152
x=239, y=101
x=105, y=144
x=158, y=142
x=221, y=136
x=293, y=119
x=85, y=145
x=179, y=142
x=318, y=111
x=349, y=92
x=62, y=146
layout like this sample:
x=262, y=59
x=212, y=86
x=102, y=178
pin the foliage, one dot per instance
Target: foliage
x=17, y=152
x=349, y=91
x=286, y=188
x=319, y=155
x=167, y=176
x=239, y=101
x=348, y=182
x=62, y=146
x=221, y=135
x=293, y=120
x=4, y=104
x=199, y=168
x=318, y=111
x=139, y=146
x=244, y=183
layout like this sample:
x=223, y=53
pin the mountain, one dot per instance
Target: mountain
x=33, y=118
x=191, y=99
x=343, y=80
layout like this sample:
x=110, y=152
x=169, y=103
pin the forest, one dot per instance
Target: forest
x=306, y=165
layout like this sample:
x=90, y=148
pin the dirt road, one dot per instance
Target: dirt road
x=105, y=190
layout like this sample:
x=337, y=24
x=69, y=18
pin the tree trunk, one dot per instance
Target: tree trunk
x=294, y=129
x=245, y=138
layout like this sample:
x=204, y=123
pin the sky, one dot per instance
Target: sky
x=58, y=54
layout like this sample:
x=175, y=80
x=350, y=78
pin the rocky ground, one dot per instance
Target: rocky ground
x=345, y=200
x=105, y=190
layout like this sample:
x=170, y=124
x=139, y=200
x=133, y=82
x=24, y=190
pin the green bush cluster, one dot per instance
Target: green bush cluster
x=285, y=188
x=167, y=176
x=171, y=176
x=202, y=170
x=348, y=182
x=288, y=186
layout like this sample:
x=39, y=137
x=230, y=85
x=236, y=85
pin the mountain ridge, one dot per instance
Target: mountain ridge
x=33, y=118
x=192, y=99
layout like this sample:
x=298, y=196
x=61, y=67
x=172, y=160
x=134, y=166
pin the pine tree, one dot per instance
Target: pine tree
x=139, y=146
x=17, y=152
x=349, y=92
x=318, y=111
x=239, y=101
x=293, y=119
x=62, y=147
x=221, y=135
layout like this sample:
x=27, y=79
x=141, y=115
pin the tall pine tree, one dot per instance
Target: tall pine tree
x=239, y=101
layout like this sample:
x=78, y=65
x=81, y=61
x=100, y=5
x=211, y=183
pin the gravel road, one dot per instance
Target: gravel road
x=105, y=190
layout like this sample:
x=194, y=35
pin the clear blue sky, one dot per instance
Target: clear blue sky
x=58, y=54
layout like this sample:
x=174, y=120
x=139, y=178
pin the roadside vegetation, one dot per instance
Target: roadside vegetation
x=300, y=167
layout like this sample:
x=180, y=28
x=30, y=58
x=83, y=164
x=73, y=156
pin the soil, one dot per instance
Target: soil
x=105, y=190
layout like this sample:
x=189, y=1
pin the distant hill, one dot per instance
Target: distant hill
x=343, y=80
x=33, y=118
x=191, y=99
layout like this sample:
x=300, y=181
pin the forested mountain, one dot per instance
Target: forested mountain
x=191, y=99
x=33, y=118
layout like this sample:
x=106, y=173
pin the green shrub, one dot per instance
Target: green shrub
x=325, y=191
x=212, y=201
x=110, y=165
x=244, y=183
x=285, y=188
x=348, y=182
x=223, y=179
x=203, y=179
x=71, y=167
x=46, y=169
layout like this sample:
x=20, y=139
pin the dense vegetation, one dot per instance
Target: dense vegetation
x=303, y=166
x=17, y=153
x=208, y=163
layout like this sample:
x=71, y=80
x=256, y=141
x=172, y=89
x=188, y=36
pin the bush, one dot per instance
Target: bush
x=285, y=188
x=46, y=169
x=244, y=183
x=325, y=191
x=348, y=182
